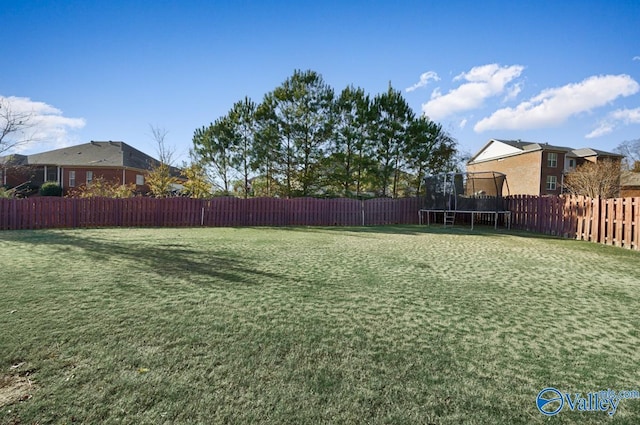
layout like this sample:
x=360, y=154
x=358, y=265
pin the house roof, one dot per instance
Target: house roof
x=532, y=146
x=95, y=154
x=499, y=148
x=13, y=160
x=586, y=152
x=629, y=178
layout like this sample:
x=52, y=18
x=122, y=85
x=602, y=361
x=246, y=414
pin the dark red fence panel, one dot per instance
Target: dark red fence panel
x=48, y=212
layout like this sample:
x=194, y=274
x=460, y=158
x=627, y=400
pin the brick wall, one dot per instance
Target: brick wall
x=523, y=172
x=109, y=174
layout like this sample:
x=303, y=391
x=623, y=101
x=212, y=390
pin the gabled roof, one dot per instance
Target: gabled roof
x=531, y=146
x=95, y=154
x=629, y=178
x=499, y=148
x=13, y=160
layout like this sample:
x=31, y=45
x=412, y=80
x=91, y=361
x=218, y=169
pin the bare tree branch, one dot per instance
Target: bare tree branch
x=165, y=153
x=595, y=180
x=631, y=151
x=160, y=180
x=13, y=126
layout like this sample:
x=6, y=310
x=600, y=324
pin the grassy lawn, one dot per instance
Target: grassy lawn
x=396, y=325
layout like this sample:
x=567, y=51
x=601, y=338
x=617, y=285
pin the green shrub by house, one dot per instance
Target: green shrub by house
x=50, y=189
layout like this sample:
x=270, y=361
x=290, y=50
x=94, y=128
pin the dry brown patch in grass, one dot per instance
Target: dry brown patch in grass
x=15, y=387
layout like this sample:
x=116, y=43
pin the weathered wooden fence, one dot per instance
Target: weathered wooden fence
x=48, y=212
x=607, y=221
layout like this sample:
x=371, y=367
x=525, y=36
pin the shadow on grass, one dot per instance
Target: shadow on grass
x=403, y=229
x=166, y=259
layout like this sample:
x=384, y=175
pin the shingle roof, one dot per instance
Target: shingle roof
x=531, y=147
x=95, y=154
x=629, y=178
x=584, y=152
x=11, y=160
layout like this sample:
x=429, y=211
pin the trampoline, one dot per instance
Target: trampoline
x=478, y=194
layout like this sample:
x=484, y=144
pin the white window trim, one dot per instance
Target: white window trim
x=552, y=183
x=72, y=178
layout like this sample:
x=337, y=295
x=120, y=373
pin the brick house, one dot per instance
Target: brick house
x=629, y=184
x=78, y=165
x=533, y=168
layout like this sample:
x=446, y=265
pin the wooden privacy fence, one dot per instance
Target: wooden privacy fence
x=48, y=212
x=606, y=221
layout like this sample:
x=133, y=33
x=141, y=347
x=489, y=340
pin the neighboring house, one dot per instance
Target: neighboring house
x=79, y=165
x=629, y=184
x=13, y=170
x=533, y=168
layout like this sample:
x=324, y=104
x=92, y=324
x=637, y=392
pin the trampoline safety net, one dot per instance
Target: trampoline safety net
x=478, y=191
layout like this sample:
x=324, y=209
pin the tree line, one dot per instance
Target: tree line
x=303, y=139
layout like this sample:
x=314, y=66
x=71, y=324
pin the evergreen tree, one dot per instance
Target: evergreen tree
x=243, y=128
x=392, y=121
x=429, y=150
x=350, y=159
x=213, y=145
x=303, y=110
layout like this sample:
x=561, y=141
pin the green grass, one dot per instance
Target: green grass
x=387, y=325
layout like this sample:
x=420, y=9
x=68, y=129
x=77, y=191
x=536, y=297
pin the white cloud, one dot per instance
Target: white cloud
x=463, y=123
x=513, y=92
x=636, y=58
x=603, y=128
x=424, y=80
x=482, y=82
x=628, y=116
x=613, y=119
x=554, y=106
x=48, y=125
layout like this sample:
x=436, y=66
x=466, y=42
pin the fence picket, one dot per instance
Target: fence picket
x=635, y=243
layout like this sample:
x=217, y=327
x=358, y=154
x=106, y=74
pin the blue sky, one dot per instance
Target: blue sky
x=565, y=73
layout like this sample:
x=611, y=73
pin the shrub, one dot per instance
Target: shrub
x=100, y=187
x=5, y=192
x=50, y=189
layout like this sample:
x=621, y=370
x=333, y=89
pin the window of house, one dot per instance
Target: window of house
x=72, y=179
x=552, y=159
x=139, y=180
x=38, y=175
x=572, y=163
x=89, y=177
x=552, y=182
x=52, y=173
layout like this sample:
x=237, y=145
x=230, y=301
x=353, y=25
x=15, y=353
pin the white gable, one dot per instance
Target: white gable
x=496, y=149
